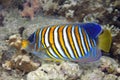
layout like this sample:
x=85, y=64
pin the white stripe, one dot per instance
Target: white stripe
x=67, y=43
x=47, y=43
x=83, y=43
x=57, y=44
x=75, y=42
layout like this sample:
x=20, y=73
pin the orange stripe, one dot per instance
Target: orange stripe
x=37, y=37
x=85, y=39
x=79, y=40
x=43, y=42
x=71, y=40
x=91, y=42
x=60, y=33
x=51, y=40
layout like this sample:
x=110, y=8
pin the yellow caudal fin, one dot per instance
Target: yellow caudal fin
x=105, y=40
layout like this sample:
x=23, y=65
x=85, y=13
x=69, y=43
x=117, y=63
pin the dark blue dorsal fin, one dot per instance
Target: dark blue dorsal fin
x=92, y=29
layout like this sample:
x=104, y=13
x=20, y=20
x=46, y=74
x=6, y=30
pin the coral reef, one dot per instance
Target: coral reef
x=104, y=12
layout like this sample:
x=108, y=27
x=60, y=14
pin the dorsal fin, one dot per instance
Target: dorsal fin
x=92, y=29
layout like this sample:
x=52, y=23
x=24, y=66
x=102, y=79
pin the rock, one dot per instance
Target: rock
x=118, y=70
x=29, y=8
x=20, y=62
x=108, y=65
x=66, y=70
x=95, y=75
x=15, y=41
x=110, y=77
x=118, y=78
x=115, y=49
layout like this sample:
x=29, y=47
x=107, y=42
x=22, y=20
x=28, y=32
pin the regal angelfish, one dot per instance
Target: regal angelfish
x=75, y=42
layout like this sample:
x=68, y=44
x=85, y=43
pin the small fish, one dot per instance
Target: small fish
x=73, y=42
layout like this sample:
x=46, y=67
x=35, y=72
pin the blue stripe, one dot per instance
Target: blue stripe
x=94, y=53
x=34, y=40
x=40, y=34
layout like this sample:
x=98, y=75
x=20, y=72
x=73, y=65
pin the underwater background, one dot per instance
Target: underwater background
x=20, y=18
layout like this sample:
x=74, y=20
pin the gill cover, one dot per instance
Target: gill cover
x=105, y=40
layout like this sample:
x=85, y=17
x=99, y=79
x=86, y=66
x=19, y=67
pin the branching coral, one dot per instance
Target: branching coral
x=114, y=30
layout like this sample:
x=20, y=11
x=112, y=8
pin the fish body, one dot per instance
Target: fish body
x=75, y=42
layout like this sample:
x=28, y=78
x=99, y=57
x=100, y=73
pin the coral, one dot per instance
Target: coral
x=29, y=8
x=90, y=18
x=27, y=12
x=49, y=7
x=69, y=15
x=64, y=71
x=76, y=10
x=95, y=75
x=110, y=15
x=115, y=49
x=21, y=62
x=108, y=65
x=110, y=77
x=15, y=41
x=114, y=30
x=118, y=78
